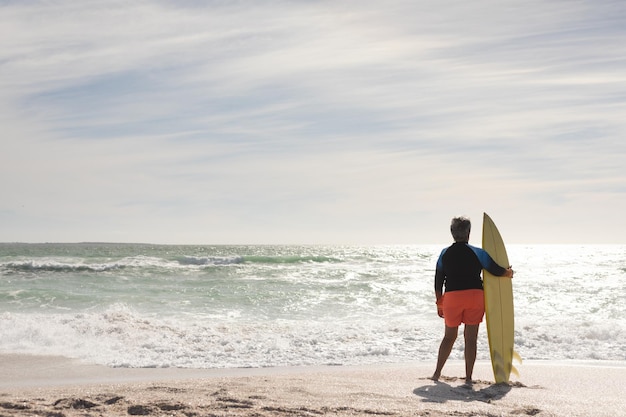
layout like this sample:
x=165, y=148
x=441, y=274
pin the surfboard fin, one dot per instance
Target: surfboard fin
x=514, y=371
x=517, y=357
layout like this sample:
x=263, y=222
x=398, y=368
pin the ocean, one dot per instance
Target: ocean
x=143, y=305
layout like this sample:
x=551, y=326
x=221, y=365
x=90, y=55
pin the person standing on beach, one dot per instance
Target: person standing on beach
x=458, y=268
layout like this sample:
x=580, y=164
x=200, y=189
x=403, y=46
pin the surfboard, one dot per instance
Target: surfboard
x=499, y=306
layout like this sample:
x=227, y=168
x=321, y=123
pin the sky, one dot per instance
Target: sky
x=312, y=122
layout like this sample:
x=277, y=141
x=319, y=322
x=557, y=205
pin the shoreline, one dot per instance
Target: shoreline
x=42, y=385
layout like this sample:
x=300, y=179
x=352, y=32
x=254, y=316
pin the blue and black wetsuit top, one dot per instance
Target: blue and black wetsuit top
x=459, y=267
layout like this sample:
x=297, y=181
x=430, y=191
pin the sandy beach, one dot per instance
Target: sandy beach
x=56, y=387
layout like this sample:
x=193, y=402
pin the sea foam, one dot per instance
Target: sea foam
x=256, y=306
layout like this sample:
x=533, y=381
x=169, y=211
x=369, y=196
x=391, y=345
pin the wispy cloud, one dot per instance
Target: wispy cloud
x=283, y=121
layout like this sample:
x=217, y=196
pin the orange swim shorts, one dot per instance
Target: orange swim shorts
x=465, y=306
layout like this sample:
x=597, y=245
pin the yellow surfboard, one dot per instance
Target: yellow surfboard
x=498, y=306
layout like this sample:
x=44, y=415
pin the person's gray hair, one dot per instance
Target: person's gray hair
x=460, y=229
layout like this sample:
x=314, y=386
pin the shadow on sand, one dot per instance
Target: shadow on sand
x=442, y=392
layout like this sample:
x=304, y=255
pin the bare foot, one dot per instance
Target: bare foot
x=435, y=377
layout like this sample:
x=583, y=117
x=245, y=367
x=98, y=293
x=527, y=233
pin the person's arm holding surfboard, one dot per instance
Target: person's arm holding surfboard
x=490, y=265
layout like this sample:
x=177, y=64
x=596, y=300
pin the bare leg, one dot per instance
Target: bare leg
x=444, y=350
x=471, y=336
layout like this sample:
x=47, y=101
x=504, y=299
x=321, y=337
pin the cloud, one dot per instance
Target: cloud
x=281, y=121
